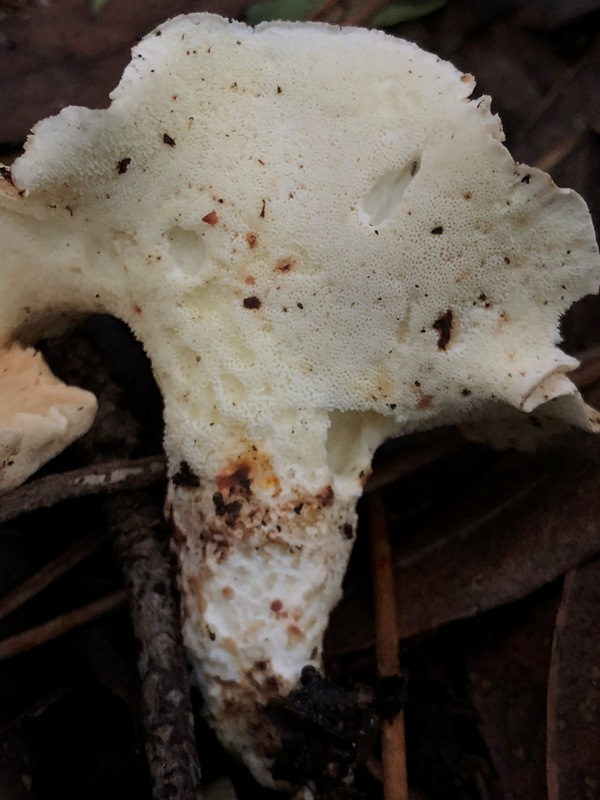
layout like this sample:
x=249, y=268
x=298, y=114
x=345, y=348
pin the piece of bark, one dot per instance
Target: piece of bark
x=517, y=527
x=141, y=541
x=103, y=478
x=574, y=690
x=507, y=658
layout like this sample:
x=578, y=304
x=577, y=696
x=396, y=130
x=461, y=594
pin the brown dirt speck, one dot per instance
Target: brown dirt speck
x=443, y=325
x=185, y=477
x=284, y=265
x=276, y=606
x=295, y=632
x=252, y=303
x=425, y=401
x=122, y=165
x=347, y=530
x=224, y=509
x=325, y=497
x=237, y=480
x=211, y=218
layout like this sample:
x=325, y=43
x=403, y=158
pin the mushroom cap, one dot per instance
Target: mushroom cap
x=39, y=415
x=293, y=243
x=322, y=242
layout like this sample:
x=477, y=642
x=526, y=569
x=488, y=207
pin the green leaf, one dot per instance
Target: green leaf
x=97, y=5
x=396, y=13
x=290, y=10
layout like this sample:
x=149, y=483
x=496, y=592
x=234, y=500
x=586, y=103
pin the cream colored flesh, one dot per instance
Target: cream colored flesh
x=322, y=242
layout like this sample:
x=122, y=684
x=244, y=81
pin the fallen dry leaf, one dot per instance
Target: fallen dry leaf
x=574, y=690
x=507, y=657
x=521, y=525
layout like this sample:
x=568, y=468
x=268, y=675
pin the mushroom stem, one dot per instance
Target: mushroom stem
x=260, y=574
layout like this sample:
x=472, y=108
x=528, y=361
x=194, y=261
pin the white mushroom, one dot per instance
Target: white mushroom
x=321, y=242
x=39, y=415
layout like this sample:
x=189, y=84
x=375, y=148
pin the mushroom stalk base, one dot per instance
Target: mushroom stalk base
x=260, y=575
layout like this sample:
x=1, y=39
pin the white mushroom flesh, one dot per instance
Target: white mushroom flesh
x=322, y=242
x=39, y=415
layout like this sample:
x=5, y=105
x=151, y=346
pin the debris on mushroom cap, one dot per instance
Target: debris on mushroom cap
x=39, y=415
x=321, y=242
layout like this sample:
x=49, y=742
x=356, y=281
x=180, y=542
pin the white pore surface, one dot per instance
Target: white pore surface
x=321, y=242
x=282, y=215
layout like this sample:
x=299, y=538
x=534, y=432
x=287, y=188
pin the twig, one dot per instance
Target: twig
x=31, y=587
x=588, y=372
x=557, y=154
x=142, y=547
x=61, y=625
x=561, y=86
x=365, y=12
x=393, y=745
x=112, y=476
x=374, y=767
x=362, y=14
x=320, y=13
x=405, y=464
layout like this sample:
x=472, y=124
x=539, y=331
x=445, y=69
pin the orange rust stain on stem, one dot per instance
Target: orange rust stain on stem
x=295, y=632
x=250, y=470
x=325, y=497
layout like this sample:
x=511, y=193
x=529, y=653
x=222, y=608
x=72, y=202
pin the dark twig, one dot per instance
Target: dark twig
x=142, y=547
x=61, y=625
x=31, y=587
x=111, y=476
x=393, y=745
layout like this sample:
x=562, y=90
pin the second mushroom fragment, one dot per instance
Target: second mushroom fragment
x=322, y=243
